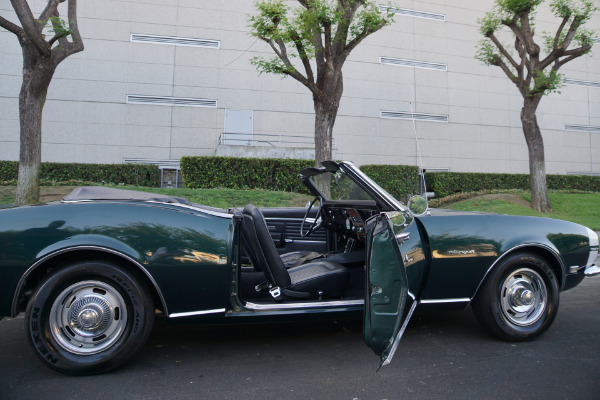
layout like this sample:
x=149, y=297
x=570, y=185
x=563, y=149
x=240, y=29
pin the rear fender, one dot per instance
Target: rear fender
x=69, y=247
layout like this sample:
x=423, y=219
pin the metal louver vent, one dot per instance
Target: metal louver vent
x=173, y=40
x=415, y=116
x=577, y=82
x=170, y=101
x=414, y=13
x=583, y=128
x=413, y=63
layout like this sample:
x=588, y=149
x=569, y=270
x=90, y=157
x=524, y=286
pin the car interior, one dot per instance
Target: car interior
x=329, y=267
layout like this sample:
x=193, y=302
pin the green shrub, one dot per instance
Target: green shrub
x=74, y=174
x=401, y=181
x=243, y=173
x=449, y=183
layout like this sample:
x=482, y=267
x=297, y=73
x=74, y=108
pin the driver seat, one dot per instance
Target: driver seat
x=315, y=280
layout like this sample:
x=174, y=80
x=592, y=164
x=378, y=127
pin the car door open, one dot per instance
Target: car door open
x=387, y=296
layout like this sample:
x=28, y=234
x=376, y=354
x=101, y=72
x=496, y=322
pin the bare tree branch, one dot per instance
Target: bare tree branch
x=77, y=44
x=9, y=26
x=366, y=32
x=505, y=53
x=303, y=57
x=29, y=25
x=50, y=10
x=559, y=31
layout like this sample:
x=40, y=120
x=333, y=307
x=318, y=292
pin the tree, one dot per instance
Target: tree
x=320, y=34
x=534, y=74
x=40, y=59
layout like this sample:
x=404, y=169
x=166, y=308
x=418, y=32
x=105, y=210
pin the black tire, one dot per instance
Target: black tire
x=519, y=299
x=89, y=317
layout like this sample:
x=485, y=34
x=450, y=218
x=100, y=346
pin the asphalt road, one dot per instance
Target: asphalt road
x=442, y=356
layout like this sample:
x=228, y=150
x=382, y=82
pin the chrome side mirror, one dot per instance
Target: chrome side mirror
x=418, y=205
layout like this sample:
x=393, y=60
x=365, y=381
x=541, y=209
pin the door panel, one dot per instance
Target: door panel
x=284, y=226
x=387, y=293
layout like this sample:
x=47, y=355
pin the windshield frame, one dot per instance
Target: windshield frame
x=386, y=201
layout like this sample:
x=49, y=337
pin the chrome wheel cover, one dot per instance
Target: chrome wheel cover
x=88, y=317
x=523, y=297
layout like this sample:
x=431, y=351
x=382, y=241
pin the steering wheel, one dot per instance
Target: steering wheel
x=318, y=220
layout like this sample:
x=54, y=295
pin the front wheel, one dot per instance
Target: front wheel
x=519, y=300
x=88, y=317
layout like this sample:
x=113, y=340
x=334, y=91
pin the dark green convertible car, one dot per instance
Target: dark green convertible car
x=91, y=272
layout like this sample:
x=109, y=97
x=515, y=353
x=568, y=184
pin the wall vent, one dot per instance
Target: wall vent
x=577, y=82
x=415, y=116
x=583, y=128
x=413, y=13
x=597, y=40
x=173, y=40
x=413, y=63
x=170, y=101
x=589, y=173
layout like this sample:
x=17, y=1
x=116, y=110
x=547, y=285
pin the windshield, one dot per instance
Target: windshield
x=348, y=182
x=339, y=187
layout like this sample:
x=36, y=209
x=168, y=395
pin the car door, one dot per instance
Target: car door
x=388, y=302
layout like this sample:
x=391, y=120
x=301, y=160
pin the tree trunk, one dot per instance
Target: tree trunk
x=326, y=108
x=36, y=80
x=537, y=164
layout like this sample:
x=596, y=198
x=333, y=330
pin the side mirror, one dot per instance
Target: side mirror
x=418, y=205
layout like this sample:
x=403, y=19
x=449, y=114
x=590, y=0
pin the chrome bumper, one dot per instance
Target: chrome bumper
x=592, y=270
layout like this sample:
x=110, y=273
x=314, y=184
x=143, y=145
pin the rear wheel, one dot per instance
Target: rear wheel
x=88, y=317
x=519, y=300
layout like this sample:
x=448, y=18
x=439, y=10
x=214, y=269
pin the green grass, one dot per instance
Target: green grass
x=225, y=198
x=583, y=208
x=221, y=198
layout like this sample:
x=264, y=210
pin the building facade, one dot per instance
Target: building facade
x=162, y=79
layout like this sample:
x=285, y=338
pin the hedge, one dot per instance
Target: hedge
x=244, y=173
x=282, y=174
x=67, y=174
x=449, y=183
x=400, y=181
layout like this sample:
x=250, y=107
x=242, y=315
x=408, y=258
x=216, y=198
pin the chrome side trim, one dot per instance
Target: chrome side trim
x=192, y=313
x=442, y=301
x=76, y=248
x=509, y=251
x=283, y=219
x=293, y=306
x=388, y=358
x=575, y=268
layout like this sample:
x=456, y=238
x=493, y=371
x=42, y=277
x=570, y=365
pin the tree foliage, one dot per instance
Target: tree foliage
x=322, y=30
x=311, y=43
x=534, y=68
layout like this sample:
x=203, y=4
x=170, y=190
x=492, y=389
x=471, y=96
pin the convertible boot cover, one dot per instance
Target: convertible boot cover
x=105, y=193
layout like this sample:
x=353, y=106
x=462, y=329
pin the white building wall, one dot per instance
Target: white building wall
x=87, y=118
